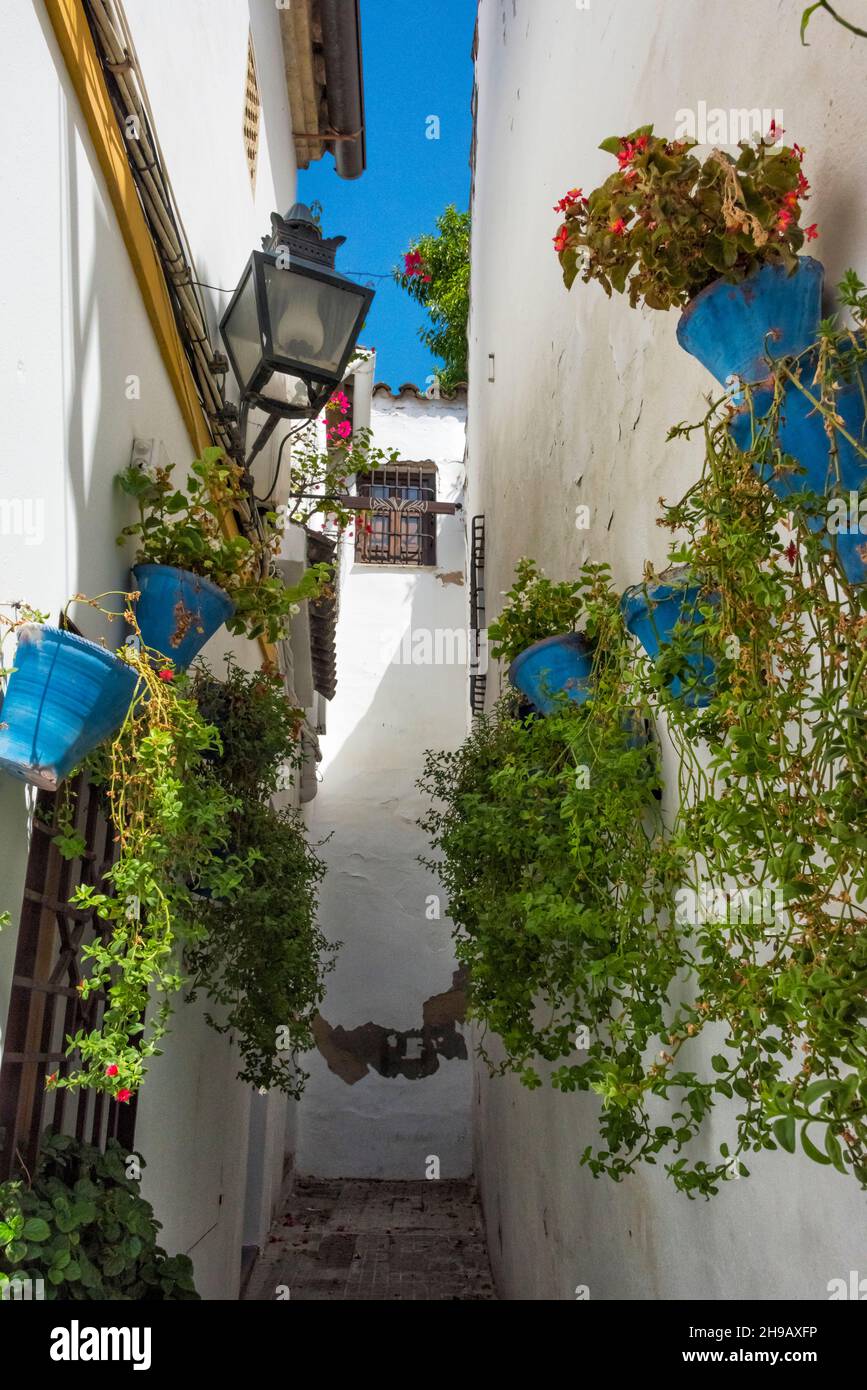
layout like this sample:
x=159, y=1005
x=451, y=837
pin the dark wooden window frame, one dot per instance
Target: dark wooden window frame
x=45, y=1006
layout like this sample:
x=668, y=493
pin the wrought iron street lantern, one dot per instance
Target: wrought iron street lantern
x=293, y=322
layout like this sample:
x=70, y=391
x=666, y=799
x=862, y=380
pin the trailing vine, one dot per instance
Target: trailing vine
x=724, y=959
x=774, y=775
x=553, y=864
x=259, y=953
x=171, y=832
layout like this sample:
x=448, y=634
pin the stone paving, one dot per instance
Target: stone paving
x=360, y=1240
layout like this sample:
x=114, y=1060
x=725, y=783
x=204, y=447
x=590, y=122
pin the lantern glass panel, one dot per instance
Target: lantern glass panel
x=312, y=321
x=241, y=330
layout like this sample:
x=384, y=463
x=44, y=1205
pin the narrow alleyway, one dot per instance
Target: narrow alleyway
x=354, y=1239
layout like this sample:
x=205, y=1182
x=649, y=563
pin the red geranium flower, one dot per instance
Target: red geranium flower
x=569, y=200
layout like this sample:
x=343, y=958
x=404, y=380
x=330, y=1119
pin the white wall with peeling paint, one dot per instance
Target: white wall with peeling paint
x=353, y=1121
x=584, y=391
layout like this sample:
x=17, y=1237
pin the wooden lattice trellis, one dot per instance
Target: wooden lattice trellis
x=45, y=1006
x=252, y=105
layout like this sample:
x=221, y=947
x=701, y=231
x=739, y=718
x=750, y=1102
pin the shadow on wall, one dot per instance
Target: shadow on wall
x=377, y=896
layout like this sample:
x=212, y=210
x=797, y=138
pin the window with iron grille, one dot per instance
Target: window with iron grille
x=396, y=530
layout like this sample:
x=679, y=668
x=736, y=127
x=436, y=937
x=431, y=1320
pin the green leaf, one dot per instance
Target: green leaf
x=833, y=1150
x=806, y=16
x=35, y=1229
x=784, y=1131
x=810, y=1148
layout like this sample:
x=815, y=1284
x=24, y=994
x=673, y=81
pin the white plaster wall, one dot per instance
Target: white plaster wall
x=374, y=897
x=585, y=389
x=74, y=329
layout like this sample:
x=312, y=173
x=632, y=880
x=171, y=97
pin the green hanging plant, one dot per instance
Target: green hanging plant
x=186, y=528
x=549, y=850
x=665, y=224
x=535, y=608
x=259, y=953
x=774, y=788
x=171, y=830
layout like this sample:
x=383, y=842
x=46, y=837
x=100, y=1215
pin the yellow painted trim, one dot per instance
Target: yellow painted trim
x=82, y=63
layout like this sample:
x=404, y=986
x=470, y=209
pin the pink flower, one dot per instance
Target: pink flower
x=775, y=133
x=166, y=674
x=812, y=231
x=414, y=265
x=561, y=239
x=112, y=1070
x=798, y=152
x=783, y=219
x=803, y=185
x=123, y=1095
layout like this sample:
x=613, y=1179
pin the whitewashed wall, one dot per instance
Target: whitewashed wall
x=74, y=330
x=584, y=391
x=394, y=958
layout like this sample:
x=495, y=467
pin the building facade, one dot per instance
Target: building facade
x=571, y=396
x=93, y=374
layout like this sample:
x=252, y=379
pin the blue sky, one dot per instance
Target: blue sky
x=417, y=63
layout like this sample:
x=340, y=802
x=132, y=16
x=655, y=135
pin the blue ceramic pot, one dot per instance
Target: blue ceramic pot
x=802, y=435
x=555, y=666
x=64, y=697
x=652, y=612
x=732, y=329
x=178, y=611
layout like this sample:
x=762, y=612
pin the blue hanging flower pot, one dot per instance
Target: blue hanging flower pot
x=64, y=697
x=555, y=666
x=802, y=435
x=654, y=611
x=178, y=611
x=733, y=329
